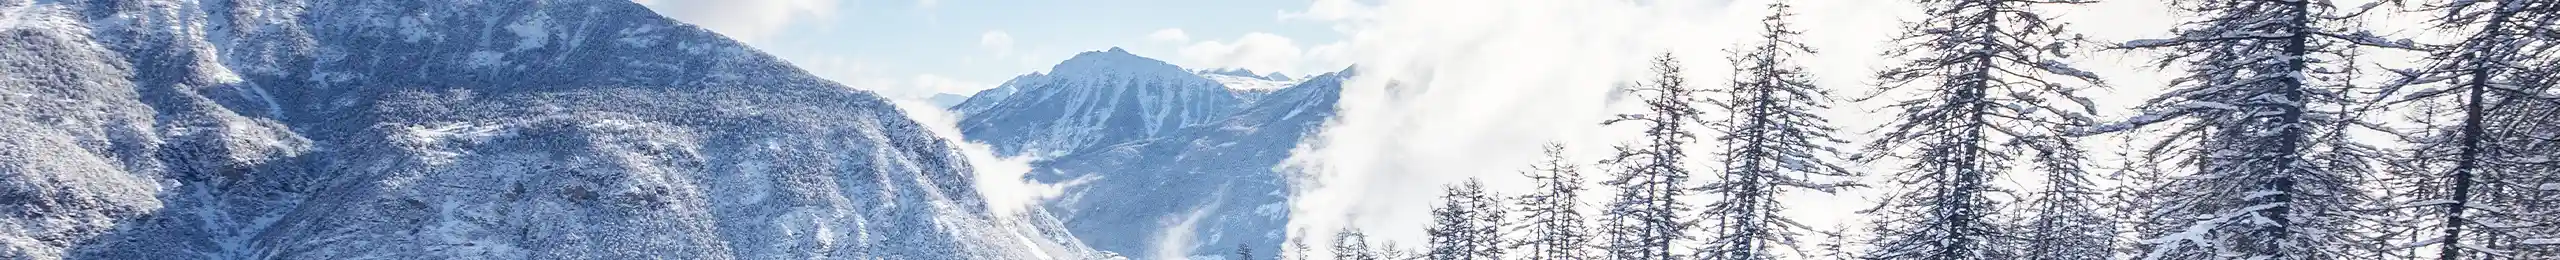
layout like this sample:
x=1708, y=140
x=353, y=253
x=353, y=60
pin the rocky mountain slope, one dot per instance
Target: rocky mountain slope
x=496, y=129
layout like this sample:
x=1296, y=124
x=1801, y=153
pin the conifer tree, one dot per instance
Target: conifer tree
x=1645, y=218
x=1352, y=245
x=1994, y=93
x=1467, y=224
x=1551, y=224
x=2259, y=123
x=2067, y=219
x=2137, y=190
x=2469, y=165
x=1298, y=249
x=1775, y=144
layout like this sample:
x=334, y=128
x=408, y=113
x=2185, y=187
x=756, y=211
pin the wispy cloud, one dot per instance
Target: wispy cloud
x=1446, y=86
x=1256, y=51
x=1175, y=240
x=997, y=43
x=925, y=85
x=1171, y=35
x=998, y=179
x=749, y=21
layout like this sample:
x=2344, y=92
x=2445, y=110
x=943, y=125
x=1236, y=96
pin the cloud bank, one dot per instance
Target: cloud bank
x=1449, y=89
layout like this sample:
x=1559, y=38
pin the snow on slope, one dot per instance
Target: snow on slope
x=1200, y=191
x=1195, y=179
x=504, y=129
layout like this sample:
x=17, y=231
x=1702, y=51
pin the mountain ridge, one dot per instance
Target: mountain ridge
x=1092, y=99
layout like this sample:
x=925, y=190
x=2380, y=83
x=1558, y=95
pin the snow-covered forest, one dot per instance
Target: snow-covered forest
x=2277, y=138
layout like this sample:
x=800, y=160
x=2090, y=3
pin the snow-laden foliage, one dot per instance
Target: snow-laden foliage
x=1467, y=225
x=2259, y=123
x=1646, y=218
x=2532, y=141
x=1774, y=144
x=1550, y=224
x=2137, y=189
x=1994, y=93
x=2068, y=219
x=2472, y=171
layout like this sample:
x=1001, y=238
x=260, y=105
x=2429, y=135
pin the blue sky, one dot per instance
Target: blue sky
x=915, y=48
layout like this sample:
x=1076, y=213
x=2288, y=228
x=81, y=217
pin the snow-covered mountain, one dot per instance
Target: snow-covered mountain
x=1196, y=178
x=496, y=129
x=1091, y=100
x=1202, y=190
x=986, y=99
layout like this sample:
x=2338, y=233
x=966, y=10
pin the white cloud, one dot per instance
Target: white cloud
x=1477, y=81
x=998, y=179
x=749, y=21
x=1172, y=35
x=1256, y=51
x=997, y=42
x=1330, y=54
x=1175, y=241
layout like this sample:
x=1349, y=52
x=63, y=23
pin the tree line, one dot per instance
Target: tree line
x=2264, y=146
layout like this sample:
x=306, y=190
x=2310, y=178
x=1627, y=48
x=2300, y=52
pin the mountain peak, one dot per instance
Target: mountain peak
x=1114, y=61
